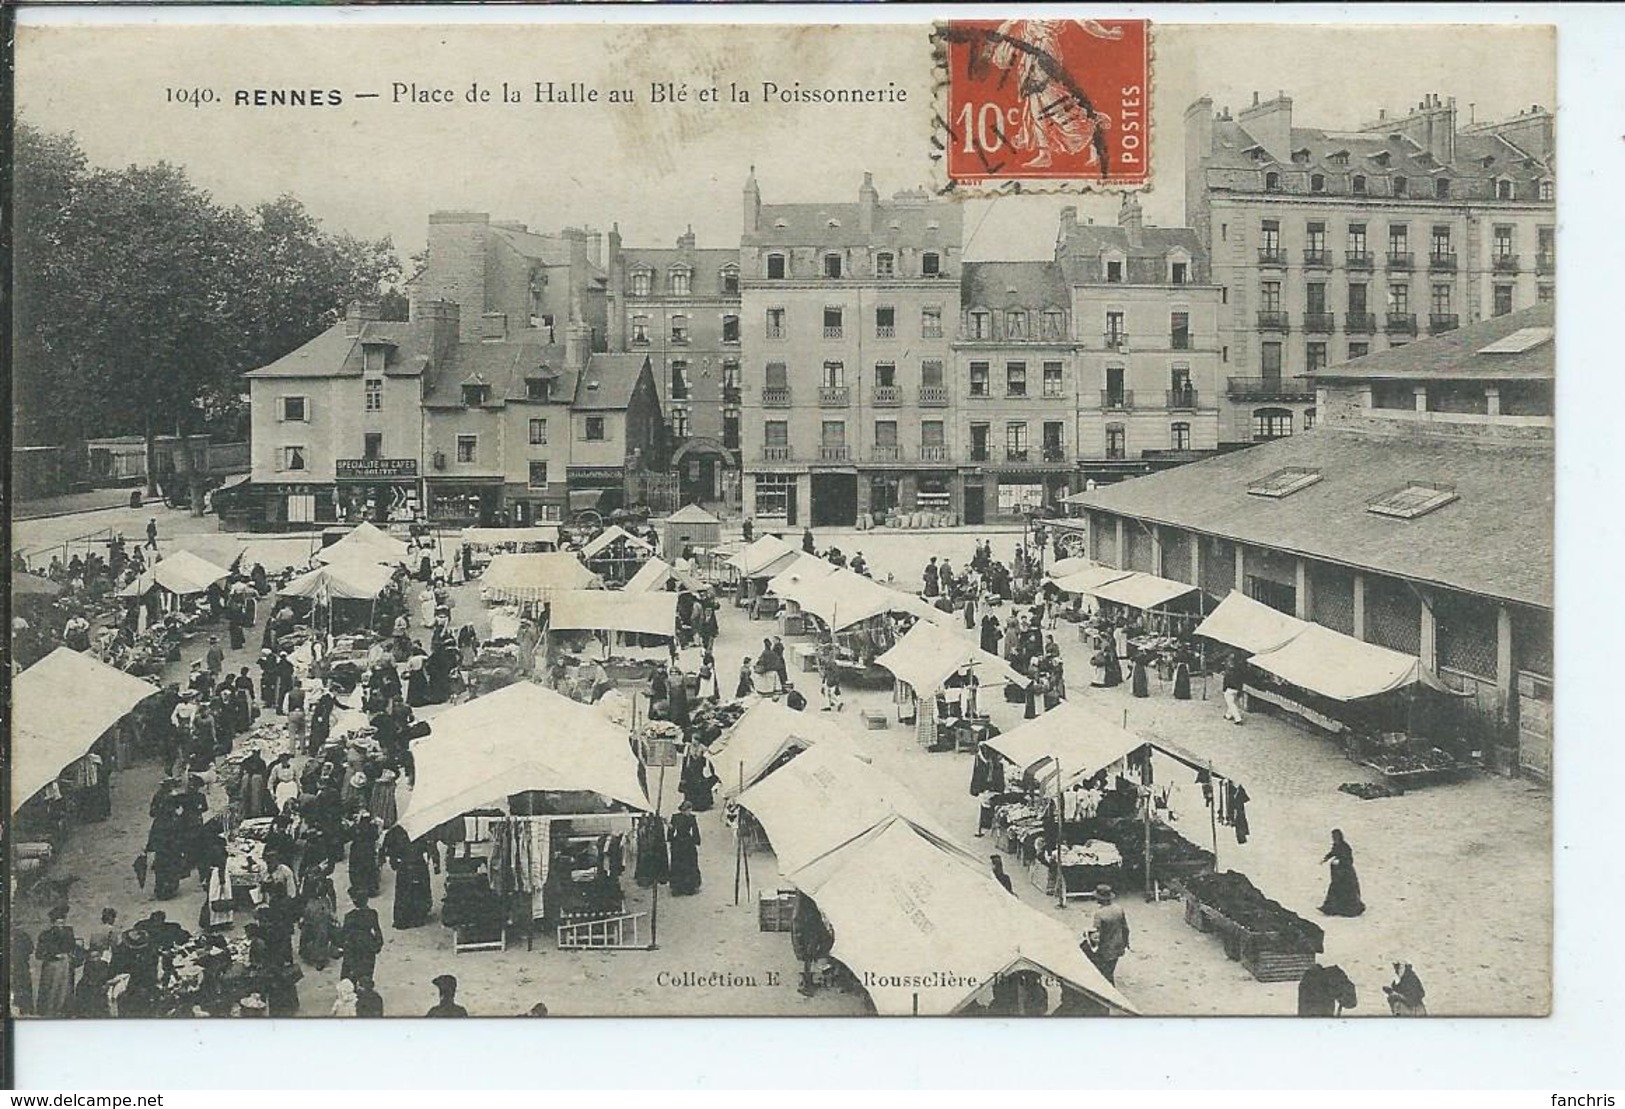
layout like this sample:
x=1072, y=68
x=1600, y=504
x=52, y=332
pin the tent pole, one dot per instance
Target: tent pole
x=654, y=909
x=1150, y=888
x=1060, y=839
x=739, y=838
x=1213, y=815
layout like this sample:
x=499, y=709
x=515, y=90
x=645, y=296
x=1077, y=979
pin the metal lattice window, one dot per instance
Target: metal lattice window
x=1176, y=556
x=1532, y=640
x=1393, y=616
x=1137, y=547
x=1331, y=598
x=1218, y=567
x=1465, y=636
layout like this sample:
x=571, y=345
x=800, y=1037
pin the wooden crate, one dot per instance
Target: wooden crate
x=875, y=721
x=1278, y=966
x=775, y=911
x=659, y=752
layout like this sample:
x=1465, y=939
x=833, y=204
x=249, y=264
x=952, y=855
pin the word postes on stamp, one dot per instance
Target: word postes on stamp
x=1063, y=102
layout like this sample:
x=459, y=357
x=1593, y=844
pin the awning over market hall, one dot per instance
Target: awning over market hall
x=534, y=577
x=928, y=655
x=341, y=580
x=1311, y=656
x=182, y=573
x=520, y=738
x=60, y=706
x=926, y=932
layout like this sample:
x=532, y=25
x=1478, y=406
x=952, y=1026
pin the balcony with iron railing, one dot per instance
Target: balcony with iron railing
x=1319, y=323
x=1115, y=340
x=1504, y=263
x=1546, y=262
x=1401, y=260
x=834, y=396
x=1182, y=398
x=640, y=340
x=886, y=452
x=1442, y=262
x=885, y=331
x=934, y=452
x=1357, y=259
x=838, y=452
x=679, y=339
x=1359, y=323
x=1440, y=322
x=933, y=396
x=833, y=332
x=1317, y=259
x=1271, y=256
x=775, y=396
x=730, y=394
x=776, y=454
x=1117, y=398
x=1268, y=388
x=887, y=396
x=1400, y=323
x=1271, y=320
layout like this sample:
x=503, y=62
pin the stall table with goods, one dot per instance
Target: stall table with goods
x=1272, y=942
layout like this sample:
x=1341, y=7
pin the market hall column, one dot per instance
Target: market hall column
x=1359, y=607
x=1156, y=550
x=1241, y=569
x=1122, y=542
x=1429, y=649
x=1506, y=676
x=1304, y=604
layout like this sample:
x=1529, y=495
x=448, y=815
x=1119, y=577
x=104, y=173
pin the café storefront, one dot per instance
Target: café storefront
x=379, y=490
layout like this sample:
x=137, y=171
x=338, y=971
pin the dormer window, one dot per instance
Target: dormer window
x=729, y=279
x=1381, y=157
x=981, y=324
x=681, y=282
x=885, y=264
x=1179, y=269
x=832, y=265
x=930, y=264
x=1114, y=271
x=1015, y=324
x=1339, y=158
x=780, y=225
x=476, y=394
x=1272, y=182
x=1503, y=190
x=1357, y=186
x=1547, y=190
x=1401, y=187
x=1317, y=183
x=1441, y=188
x=372, y=359
x=641, y=280
x=775, y=267
x=833, y=224
x=1053, y=323
x=538, y=388
x=1301, y=157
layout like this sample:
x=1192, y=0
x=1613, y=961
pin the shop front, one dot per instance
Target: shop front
x=277, y=506
x=1021, y=494
x=600, y=489
x=464, y=501
x=377, y=489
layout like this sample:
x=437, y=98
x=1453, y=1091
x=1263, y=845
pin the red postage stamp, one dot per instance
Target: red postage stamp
x=1047, y=100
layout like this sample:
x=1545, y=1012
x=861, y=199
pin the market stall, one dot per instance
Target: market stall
x=757, y=564
x=689, y=527
x=615, y=554
x=533, y=578
x=346, y=591
x=483, y=544
x=1274, y=943
x=769, y=735
x=656, y=575
x=938, y=679
x=179, y=577
x=929, y=933
x=538, y=798
x=365, y=543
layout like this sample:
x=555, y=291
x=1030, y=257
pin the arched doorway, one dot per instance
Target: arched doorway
x=707, y=472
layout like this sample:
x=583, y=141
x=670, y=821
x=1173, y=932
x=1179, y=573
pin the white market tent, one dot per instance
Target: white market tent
x=365, y=543
x=653, y=575
x=1079, y=740
x=606, y=610
x=182, y=573
x=342, y=580
x=1142, y=591
x=767, y=731
x=522, y=737
x=765, y=557
x=926, y=931
x=534, y=577
x=60, y=706
x=1066, y=567
x=1342, y=667
x=1090, y=578
x=799, y=575
x=926, y=657
x=604, y=539
x=825, y=798
x=840, y=597
x=1251, y=625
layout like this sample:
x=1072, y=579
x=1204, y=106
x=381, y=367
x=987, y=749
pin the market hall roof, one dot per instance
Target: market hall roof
x=1495, y=539
x=1519, y=346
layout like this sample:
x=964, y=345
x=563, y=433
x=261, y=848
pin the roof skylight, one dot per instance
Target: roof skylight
x=1284, y=483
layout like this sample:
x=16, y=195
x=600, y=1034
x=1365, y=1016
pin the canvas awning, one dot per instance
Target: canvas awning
x=798, y=575
x=341, y=580
x=499, y=537
x=766, y=731
x=606, y=610
x=1251, y=625
x=365, y=543
x=825, y=798
x=601, y=542
x=522, y=737
x=653, y=575
x=1066, y=567
x=926, y=932
x=1089, y=579
x=60, y=706
x=182, y=573
x=928, y=655
x=1142, y=591
x=1082, y=741
x=534, y=577
x=768, y=551
x=1342, y=667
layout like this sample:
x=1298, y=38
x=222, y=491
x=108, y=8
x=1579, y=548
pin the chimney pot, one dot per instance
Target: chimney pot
x=1255, y=98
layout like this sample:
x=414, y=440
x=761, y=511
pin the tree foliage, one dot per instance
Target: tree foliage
x=141, y=301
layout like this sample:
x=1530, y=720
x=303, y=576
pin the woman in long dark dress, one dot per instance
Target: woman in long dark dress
x=56, y=952
x=414, y=897
x=256, y=796
x=318, y=920
x=364, y=856
x=1343, y=893
x=685, y=852
x=698, y=781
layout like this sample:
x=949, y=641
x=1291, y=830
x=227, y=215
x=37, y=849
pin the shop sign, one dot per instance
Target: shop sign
x=597, y=473
x=374, y=469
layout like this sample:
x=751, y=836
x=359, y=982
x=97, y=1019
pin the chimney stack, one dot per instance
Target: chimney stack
x=868, y=204
x=1132, y=220
x=753, y=203
x=358, y=315
x=685, y=241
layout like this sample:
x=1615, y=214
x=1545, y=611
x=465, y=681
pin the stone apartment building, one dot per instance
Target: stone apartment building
x=847, y=313
x=1331, y=245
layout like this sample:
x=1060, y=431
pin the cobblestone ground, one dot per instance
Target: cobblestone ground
x=1457, y=878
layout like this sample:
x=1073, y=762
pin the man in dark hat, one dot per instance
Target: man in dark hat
x=1108, y=936
x=448, y=1007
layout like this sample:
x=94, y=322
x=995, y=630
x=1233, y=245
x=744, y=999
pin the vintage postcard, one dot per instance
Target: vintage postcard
x=1015, y=517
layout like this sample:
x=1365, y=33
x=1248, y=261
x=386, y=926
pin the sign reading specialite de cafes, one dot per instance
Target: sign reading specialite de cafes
x=374, y=469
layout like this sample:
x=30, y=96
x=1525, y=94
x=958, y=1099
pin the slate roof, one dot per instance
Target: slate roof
x=808, y=224
x=336, y=354
x=1034, y=285
x=608, y=381
x=1231, y=141
x=707, y=268
x=1495, y=540
x=1457, y=354
x=504, y=366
